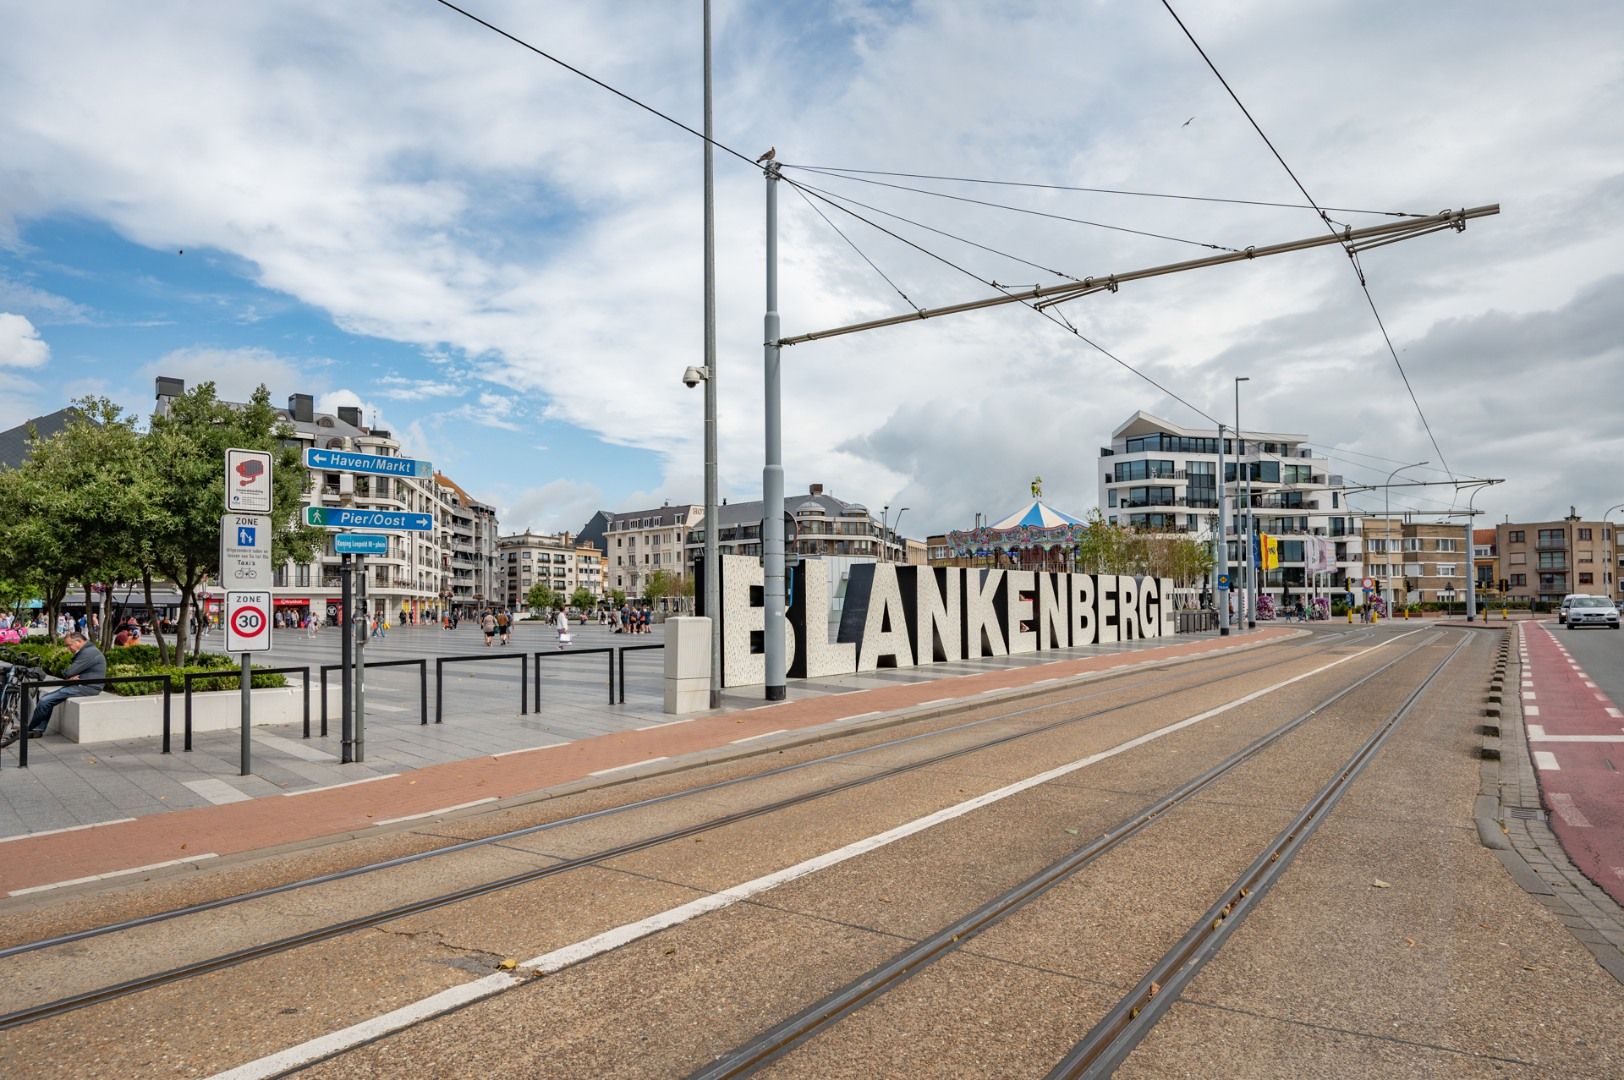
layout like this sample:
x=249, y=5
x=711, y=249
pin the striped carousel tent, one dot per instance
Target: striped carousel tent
x=1036, y=537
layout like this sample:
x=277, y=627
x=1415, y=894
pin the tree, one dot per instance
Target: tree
x=540, y=597
x=186, y=450
x=618, y=597
x=582, y=599
x=660, y=584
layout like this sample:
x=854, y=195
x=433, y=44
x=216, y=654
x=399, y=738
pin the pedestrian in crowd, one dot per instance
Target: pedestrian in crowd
x=563, y=625
x=487, y=623
x=504, y=623
x=88, y=664
x=126, y=636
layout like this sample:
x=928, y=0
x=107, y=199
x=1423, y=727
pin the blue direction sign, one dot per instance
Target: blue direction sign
x=1223, y=581
x=360, y=544
x=377, y=464
x=334, y=517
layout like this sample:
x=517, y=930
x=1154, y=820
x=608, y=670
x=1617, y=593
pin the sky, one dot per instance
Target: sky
x=384, y=204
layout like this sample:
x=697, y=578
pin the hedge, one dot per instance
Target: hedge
x=138, y=660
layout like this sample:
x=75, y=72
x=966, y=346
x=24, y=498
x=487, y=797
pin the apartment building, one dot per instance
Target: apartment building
x=559, y=561
x=1546, y=560
x=423, y=574
x=1163, y=478
x=639, y=542
x=816, y=524
x=1486, y=560
x=1415, y=562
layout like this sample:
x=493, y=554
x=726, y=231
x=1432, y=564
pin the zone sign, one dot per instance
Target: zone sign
x=248, y=621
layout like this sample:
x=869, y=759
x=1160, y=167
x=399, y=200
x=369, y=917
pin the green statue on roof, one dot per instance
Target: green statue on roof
x=1037, y=487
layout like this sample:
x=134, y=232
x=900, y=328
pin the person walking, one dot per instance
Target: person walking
x=88, y=664
x=487, y=623
x=504, y=622
x=563, y=625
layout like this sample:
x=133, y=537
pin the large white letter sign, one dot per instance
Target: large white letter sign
x=1020, y=614
x=1105, y=594
x=1170, y=619
x=1053, y=629
x=1084, y=624
x=885, y=632
x=1127, y=608
x=933, y=619
x=743, y=619
x=1150, y=603
x=982, y=634
x=812, y=654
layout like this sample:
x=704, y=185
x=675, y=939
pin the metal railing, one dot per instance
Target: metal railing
x=561, y=653
x=190, y=677
x=621, y=660
x=439, y=678
x=28, y=686
x=422, y=687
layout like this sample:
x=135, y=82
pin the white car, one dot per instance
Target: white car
x=1591, y=611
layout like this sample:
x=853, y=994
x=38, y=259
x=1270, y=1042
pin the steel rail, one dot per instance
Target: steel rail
x=780, y=1039
x=30, y=1014
x=640, y=804
x=1126, y=1025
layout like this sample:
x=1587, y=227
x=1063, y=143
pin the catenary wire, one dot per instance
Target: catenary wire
x=853, y=244
x=1033, y=213
x=839, y=171
x=597, y=82
x=1324, y=217
x=1045, y=312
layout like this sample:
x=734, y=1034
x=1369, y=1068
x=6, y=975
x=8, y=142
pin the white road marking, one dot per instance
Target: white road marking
x=1614, y=713
x=1575, y=738
x=631, y=765
x=1563, y=804
x=858, y=716
x=68, y=828
x=666, y=723
x=528, y=749
x=1591, y=684
x=1603, y=697
x=1545, y=761
x=1535, y=732
x=934, y=701
x=331, y=787
x=295, y=748
x=432, y=813
x=368, y=1030
x=763, y=735
x=1530, y=710
x=1528, y=695
x=215, y=790
x=111, y=874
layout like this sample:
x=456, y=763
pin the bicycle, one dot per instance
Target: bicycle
x=11, y=699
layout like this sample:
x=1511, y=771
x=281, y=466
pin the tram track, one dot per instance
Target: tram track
x=779, y=1040
x=113, y=991
x=510, y=835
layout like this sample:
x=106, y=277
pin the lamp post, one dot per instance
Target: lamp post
x=885, y=531
x=1471, y=558
x=692, y=377
x=1613, y=561
x=1387, y=528
x=885, y=514
x=1248, y=608
x=1220, y=597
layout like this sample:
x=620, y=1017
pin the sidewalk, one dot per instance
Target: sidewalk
x=82, y=814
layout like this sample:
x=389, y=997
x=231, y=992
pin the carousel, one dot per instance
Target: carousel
x=1035, y=537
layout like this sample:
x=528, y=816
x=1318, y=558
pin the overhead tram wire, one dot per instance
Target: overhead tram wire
x=1353, y=257
x=848, y=174
x=1046, y=312
x=572, y=69
x=853, y=244
x=1034, y=213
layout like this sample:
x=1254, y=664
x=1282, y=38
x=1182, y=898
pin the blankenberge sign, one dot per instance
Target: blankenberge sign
x=902, y=616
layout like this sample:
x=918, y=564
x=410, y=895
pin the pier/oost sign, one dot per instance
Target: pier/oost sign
x=338, y=517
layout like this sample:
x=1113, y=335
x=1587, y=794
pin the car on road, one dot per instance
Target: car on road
x=1567, y=602
x=1592, y=611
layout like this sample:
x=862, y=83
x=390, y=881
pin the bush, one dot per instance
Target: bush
x=139, y=660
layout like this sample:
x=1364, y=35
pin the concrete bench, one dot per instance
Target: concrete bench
x=108, y=717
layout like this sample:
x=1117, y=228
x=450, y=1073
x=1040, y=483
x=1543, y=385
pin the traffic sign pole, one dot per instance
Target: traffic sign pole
x=346, y=627
x=247, y=714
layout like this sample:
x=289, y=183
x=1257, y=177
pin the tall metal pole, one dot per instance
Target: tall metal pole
x=1471, y=559
x=346, y=657
x=1387, y=528
x=1249, y=598
x=772, y=473
x=895, y=525
x=1222, y=601
x=713, y=578
x=362, y=622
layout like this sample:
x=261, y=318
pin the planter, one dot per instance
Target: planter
x=110, y=718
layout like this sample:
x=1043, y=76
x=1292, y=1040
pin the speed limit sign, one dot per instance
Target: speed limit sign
x=248, y=621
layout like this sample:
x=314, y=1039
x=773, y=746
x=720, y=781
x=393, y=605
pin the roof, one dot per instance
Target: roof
x=1143, y=423
x=1037, y=515
x=743, y=513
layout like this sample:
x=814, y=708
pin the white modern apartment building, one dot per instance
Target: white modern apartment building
x=556, y=560
x=1161, y=477
x=424, y=574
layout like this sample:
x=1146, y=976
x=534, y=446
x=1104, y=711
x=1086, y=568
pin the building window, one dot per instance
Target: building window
x=1584, y=534
x=1447, y=545
x=1515, y=536
x=1552, y=538
x=1446, y=569
x=1587, y=579
x=1519, y=579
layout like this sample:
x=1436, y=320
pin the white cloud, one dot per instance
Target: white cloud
x=236, y=373
x=20, y=344
x=555, y=507
x=426, y=182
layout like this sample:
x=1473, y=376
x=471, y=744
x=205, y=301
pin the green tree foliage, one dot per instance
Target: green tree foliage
x=541, y=597
x=582, y=599
x=186, y=450
x=618, y=597
x=660, y=584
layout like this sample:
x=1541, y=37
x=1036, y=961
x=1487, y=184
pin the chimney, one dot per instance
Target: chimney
x=350, y=414
x=302, y=408
x=170, y=388
x=815, y=489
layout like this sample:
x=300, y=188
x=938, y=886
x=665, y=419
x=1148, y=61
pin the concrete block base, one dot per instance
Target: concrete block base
x=687, y=664
x=109, y=718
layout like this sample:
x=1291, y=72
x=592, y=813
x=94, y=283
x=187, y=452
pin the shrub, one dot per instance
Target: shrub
x=138, y=660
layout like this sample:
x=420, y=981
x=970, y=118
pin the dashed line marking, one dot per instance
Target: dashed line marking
x=529, y=749
x=630, y=765
x=1545, y=761
x=335, y=787
x=431, y=813
x=69, y=828
x=111, y=874
x=1563, y=804
x=753, y=738
x=1530, y=710
x=1528, y=695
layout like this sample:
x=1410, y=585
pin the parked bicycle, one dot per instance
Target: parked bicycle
x=11, y=699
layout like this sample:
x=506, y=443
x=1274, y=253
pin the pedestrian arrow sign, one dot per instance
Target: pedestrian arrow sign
x=335, y=517
x=376, y=464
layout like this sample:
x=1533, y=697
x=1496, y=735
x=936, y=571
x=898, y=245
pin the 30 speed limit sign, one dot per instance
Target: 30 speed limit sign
x=248, y=621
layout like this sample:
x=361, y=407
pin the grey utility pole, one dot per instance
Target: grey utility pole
x=713, y=576
x=1247, y=610
x=1222, y=601
x=772, y=473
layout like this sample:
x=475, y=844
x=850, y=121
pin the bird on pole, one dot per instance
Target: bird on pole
x=772, y=152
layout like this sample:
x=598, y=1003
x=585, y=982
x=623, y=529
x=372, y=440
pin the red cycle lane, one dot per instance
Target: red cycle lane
x=1576, y=738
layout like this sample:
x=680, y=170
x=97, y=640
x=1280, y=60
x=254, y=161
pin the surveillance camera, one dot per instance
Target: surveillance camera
x=694, y=376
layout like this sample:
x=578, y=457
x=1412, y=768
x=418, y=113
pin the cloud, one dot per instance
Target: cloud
x=236, y=373
x=46, y=307
x=401, y=388
x=556, y=507
x=20, y=344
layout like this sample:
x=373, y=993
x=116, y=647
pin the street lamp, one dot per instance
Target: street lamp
x=885, y=531
x=1249, y=598
x=691, y=378
x=1613, y=561
x=1387, y=528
